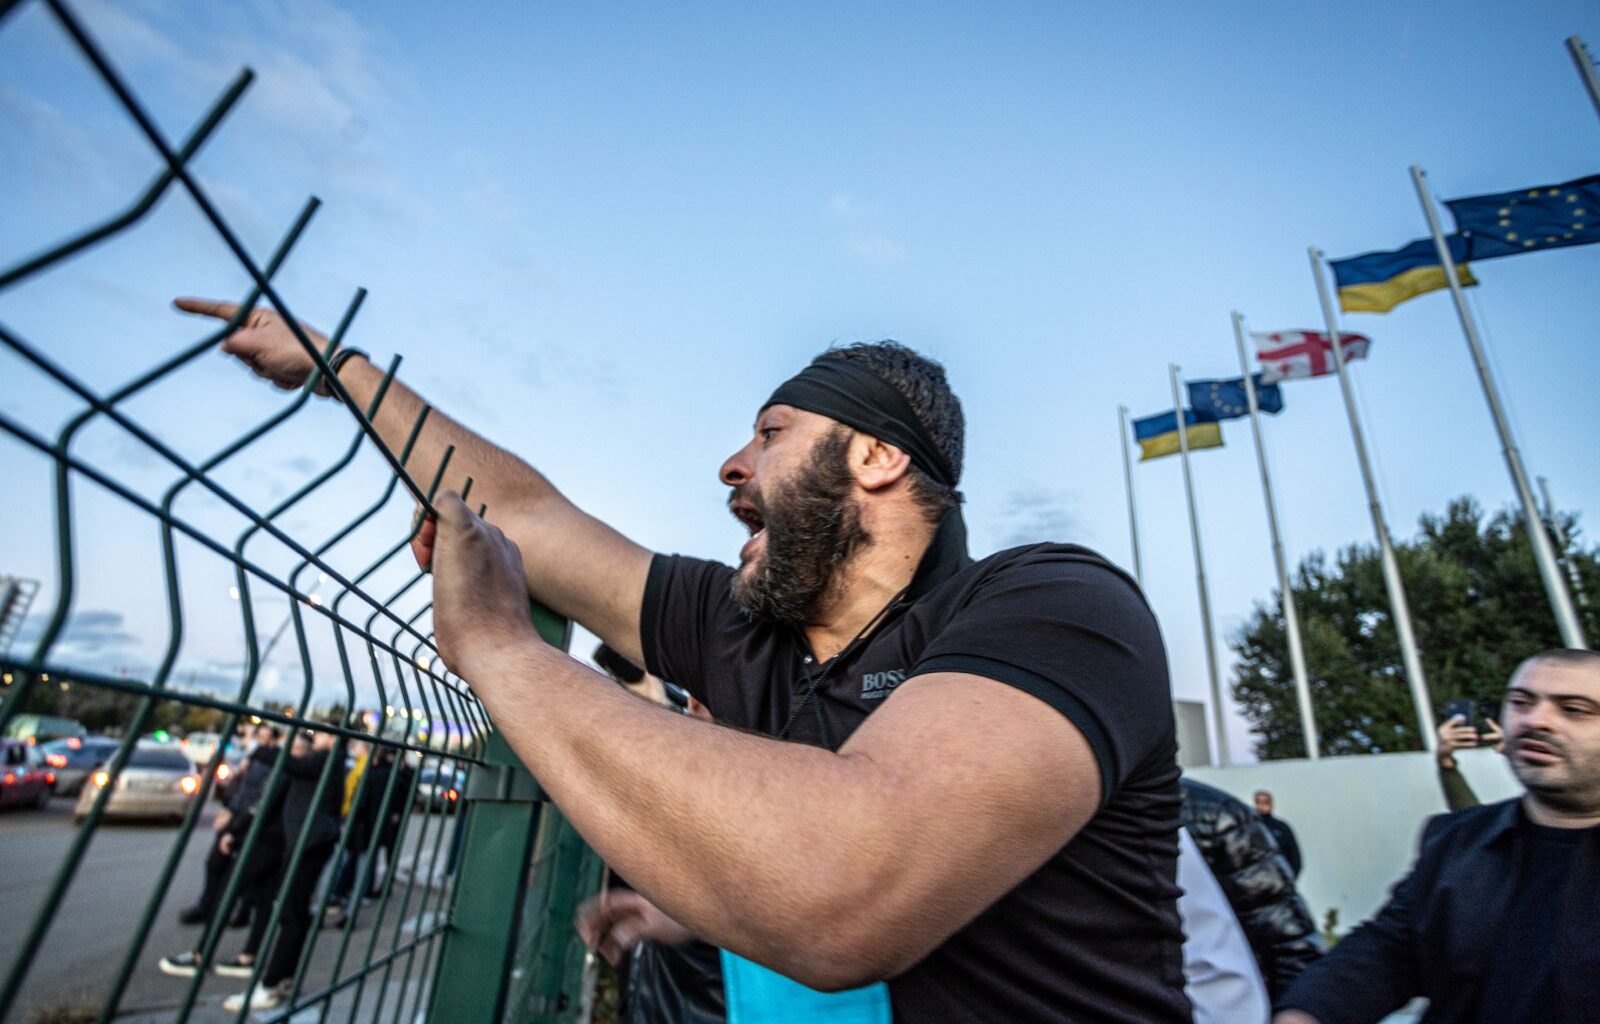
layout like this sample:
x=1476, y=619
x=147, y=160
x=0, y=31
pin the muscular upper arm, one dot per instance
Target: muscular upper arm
x=983, y=784
x=583, y=569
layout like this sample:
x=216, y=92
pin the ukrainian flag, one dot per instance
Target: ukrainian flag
x=1158, y=435
x=1376, y=282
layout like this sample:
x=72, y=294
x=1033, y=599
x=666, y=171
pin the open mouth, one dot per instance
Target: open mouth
x=1537, y=752
x=746, y=513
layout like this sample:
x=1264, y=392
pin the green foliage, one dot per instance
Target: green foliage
x=1330, y=927
x=1477, y=606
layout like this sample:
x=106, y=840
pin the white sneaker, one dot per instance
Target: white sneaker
x=237, y=967
x=259, y=998
x=180, y=965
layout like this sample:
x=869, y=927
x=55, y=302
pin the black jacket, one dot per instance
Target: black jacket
x=250, y=784
x=299, y=809
x=1256, y=879
x=1439, y=931
x=1287, y=844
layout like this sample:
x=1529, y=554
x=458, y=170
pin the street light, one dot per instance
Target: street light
x=312, y=598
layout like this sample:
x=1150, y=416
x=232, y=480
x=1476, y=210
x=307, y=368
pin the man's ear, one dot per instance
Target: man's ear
x=875, y=463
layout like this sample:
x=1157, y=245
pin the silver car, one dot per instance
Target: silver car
x=74, y=759
x=158, y=781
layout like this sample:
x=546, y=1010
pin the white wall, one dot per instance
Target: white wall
x=1358, y=818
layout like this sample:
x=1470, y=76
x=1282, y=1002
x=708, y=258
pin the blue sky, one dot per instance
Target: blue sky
x=603, y=234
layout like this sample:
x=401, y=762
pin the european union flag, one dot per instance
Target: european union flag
x=1158, y=435
x=1226, y=400
x=1546, y=217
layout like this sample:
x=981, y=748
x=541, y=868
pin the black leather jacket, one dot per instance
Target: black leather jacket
x=1257, y=881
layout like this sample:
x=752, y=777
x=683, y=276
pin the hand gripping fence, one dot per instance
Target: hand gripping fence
x=473, y=916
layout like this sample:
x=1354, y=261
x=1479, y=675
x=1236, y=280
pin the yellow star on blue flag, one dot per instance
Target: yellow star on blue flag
x=1226, y=399
x=1529, y=219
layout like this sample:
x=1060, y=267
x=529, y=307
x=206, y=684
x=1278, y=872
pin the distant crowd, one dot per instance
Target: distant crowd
x=273, y=845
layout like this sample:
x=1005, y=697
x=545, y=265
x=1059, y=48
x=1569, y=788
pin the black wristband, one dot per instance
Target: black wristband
x=336, y=363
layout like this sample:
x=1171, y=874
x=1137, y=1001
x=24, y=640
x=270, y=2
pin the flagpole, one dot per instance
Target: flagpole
x=1127, y=479
x=1561, y=538
x=1586, y=71
x=1544, y=555
x=1398, y=606
x=1291, y=618
x=1200, y=573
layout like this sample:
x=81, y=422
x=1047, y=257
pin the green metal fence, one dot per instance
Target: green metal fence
x=478, y=925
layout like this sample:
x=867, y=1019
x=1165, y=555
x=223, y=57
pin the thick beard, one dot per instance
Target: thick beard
x=813, y=526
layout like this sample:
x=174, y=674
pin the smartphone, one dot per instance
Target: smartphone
x=1464, y=708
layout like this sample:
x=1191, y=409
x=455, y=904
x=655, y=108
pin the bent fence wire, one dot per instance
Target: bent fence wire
x=472, y=919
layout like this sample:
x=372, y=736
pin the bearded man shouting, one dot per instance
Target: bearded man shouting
x=958, y=777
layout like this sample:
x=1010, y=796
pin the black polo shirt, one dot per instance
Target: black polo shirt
x=1093, y=935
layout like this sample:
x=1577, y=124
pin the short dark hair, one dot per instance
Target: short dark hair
x=921, y=382
x=1572, y=657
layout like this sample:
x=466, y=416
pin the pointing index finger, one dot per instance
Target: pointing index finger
x=208, y=307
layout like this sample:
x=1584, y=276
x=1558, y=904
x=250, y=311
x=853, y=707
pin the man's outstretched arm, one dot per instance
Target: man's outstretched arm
x=575, y=564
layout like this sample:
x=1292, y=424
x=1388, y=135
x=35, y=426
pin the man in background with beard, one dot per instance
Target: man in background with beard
x=978, y=797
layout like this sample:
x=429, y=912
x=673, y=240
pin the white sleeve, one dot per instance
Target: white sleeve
x=1220, y=973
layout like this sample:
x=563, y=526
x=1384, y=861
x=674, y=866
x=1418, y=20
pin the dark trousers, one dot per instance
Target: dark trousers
x=258, y=885
x=294, y=919
x=217, y=865
x=350, y=869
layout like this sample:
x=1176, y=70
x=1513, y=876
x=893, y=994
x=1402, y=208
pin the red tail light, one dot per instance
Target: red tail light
x=50, y=778
x=56, y=760
x=11, y=777
x=451, y=795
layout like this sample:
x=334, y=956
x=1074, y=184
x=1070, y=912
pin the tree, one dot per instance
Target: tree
x=1477, y=607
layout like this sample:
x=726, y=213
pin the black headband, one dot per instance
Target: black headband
x=855, y=396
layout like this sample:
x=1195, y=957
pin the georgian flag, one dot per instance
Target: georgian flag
x=1290, y=355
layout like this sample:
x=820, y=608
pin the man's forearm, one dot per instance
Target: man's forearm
x=500, y=480
x=747, y=841
x=601, y=588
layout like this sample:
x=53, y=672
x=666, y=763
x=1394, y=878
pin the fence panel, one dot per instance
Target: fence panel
x=438, y=793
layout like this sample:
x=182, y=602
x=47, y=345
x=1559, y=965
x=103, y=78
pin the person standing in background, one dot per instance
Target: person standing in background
x=1280, y=831
x=1455, y=734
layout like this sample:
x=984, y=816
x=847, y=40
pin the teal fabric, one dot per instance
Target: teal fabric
x=759, y=996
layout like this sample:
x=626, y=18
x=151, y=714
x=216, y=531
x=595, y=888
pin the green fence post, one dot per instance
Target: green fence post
x=473, y=976
x=547, y=985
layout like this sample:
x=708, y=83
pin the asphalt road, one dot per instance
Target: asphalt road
x=86, y=945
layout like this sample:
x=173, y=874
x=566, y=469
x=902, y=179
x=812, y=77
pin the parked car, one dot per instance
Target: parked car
x=200, y=746
x=43, y=728
x=72, y=759
x=25, y=780
x=158, y=781
x=440, y=786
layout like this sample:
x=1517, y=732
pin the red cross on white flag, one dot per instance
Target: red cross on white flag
x=1290, y=355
